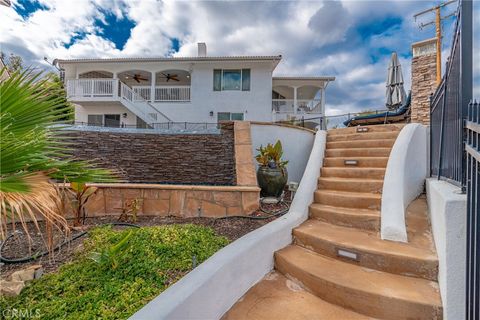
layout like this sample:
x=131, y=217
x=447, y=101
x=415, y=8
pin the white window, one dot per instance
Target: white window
x=231, y=79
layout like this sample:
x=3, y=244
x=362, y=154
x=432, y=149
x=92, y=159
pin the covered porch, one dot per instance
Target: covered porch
x=296, y=97
x=136, y=85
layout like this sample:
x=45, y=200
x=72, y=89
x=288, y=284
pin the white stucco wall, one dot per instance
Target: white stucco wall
x=82, y=112
x=297, y=145
x=447, y=208
x=213, y=287
x=404, y=180
x=255, y=104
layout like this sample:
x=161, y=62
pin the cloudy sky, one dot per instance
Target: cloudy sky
x=351, y=40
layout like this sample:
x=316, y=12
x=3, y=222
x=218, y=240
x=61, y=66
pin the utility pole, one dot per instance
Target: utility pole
x=438, y=31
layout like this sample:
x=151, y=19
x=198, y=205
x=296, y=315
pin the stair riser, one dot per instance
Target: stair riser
x=408, y=266
x=385, y=143
x=362, y=136
x=380, y=306
x=346, y=220
x=353, y=173
x=355, y=186
x=361, y=162
x=337, y=200
x=351, y=130
x=385, y=152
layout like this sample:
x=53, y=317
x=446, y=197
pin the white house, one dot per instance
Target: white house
x=146, y=91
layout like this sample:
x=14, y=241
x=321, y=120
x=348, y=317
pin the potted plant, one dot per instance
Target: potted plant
x=272, y=173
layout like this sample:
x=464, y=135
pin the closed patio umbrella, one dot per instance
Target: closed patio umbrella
x=395, y=92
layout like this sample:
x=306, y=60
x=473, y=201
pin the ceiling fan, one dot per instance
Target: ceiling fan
x=169, y=77
x=137, y=77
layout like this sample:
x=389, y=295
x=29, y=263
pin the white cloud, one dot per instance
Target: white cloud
x=314, y=38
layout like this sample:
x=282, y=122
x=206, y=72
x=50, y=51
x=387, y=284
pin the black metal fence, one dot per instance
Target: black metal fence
x=454, y=144
x=174, y=126
x=472, y=148
x=448, y=108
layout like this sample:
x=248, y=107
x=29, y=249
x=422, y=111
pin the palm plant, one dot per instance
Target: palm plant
x=34, y=150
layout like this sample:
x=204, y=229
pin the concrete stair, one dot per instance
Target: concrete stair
x=370, y=292
x=337, y=259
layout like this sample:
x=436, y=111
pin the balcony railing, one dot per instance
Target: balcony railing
x=108, y=88
x=85, y=88
x=165, y=93
x=304, y=106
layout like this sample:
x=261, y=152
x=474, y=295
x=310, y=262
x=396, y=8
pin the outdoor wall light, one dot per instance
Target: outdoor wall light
x=211, y=113
x=124, y=115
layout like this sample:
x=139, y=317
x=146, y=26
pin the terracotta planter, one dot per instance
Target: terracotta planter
x=272, y=181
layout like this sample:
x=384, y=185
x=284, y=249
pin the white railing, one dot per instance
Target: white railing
x=303, y=106
x=172, y=93
x=283, y=106
x=91, y=88
x=309, y=106
x=138, y=105
x=143, y=91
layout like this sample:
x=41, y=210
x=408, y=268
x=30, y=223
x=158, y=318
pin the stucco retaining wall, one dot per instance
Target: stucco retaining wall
x=297, y=143
x=447, y=209
x=404, y=180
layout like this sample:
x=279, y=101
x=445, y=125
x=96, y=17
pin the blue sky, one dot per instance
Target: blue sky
x=351, y=40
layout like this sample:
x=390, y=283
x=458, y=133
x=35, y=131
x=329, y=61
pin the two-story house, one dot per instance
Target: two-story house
x=138, y=92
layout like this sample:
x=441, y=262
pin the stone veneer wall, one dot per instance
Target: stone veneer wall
x=199, y=159
x=174, y=200
x=424, y=70
x=189, y=200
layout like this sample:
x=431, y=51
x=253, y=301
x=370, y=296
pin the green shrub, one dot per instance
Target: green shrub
x=85, y=289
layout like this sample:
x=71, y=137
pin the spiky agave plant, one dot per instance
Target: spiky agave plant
x=33, y=151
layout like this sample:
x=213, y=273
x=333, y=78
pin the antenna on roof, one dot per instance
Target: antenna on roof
x=438, y=26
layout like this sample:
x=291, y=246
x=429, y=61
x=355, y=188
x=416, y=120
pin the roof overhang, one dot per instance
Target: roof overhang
x=274, y=59
x=320, y=82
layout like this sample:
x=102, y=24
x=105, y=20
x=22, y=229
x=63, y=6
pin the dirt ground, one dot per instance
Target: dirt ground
x=19, y=246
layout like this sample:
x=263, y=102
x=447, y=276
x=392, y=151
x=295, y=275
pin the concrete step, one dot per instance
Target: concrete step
x=362, y=136
x=363, y=290
x=351, y=184
x=358, y=200
x=370, y=129
x=353, y=162
x=366, y=249
x=358, y=152
x=349, y=217
x=380, y=143
x=355, y=173
x=276, y=297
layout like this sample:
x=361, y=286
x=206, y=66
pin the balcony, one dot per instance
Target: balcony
x=304, y=106
x=108, y=89
x=165, y=93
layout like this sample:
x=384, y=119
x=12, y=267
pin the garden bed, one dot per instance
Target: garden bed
x=114, y=288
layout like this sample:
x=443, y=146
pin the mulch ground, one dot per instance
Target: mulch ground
x=19, y=246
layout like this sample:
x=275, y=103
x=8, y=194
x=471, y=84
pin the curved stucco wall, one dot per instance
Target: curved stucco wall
x=404, y=180
x=212, y=288
x=296, y=143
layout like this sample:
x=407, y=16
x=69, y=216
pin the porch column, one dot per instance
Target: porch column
x=295, y=103
x=152, y=87
x=322, y=106
x=115, y=85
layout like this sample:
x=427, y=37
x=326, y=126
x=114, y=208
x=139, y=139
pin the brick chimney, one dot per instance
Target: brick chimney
x=424, y=70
